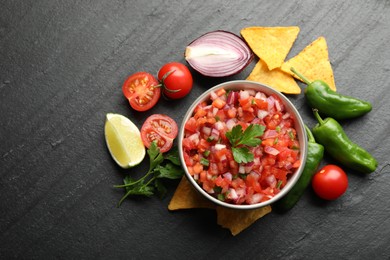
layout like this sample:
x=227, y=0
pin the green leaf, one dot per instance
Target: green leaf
x=160, y=188
x=234, y=135
x=155, y=156
x=142, y=190
x=170, y=171
x=239, y=140
x=251, y=135
x=173, y=156
x=242, y=154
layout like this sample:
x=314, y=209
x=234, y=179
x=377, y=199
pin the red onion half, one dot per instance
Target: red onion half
x=218, y=54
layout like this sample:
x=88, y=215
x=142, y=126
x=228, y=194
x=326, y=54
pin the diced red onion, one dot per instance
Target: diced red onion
x=223, y=158
x=219, y=125
x=213, y=95
x=230, y=123
x=215, y=133
x=261, y=96
x=206, y=130
x=194, y=138
x=215, y=111
x=271, y=181
x=255, y=175
x=271, y=150
x=219, y=146
x=256, y=198
x=288, y=165
x=244, y=94
x=256, y=161
x=278, y=106
x=232, y=194
x=262, y=113
x=218, y=54
x=228, y=176
x=251, y=92
x=286, y=115
x=270, y=134
x=271, y=102
x=232, y=97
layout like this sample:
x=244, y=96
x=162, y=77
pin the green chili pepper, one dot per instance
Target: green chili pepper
x=331, y=135
x=315, y=153
x=330, y=103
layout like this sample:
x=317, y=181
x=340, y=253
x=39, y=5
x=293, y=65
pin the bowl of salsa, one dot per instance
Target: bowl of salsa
x=242, y=144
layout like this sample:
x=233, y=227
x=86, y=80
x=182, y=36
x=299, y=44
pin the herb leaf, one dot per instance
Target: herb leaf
x=242, y=154
x=160, y=167
x=169, y=171
x=240, y=139
x=251, y=135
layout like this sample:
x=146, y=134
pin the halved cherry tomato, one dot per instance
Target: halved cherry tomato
x=142, y=90
x=160, y=128
x=330, y=182
x=176, y=80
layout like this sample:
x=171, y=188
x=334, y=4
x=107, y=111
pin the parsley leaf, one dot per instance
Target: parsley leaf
x=240, y=139
x=161, y=166
x=242, y=154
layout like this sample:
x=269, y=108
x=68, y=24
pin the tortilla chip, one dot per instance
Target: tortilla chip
x=186, y=197
x=313, y=63
x=238, y=220
x=271, y=44
x=275, y=78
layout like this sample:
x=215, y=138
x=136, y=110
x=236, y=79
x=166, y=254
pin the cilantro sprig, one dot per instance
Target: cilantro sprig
x=240, y=140
x=161, y=166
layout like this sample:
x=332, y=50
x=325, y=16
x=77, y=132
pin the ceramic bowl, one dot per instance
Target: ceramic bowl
x=290, y=108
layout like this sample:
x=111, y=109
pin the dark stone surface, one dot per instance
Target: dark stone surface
x=62, y=64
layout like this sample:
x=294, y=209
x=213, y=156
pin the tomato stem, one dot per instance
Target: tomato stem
x=166, y=75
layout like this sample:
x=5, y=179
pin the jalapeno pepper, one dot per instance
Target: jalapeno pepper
x=331, y=135
x=315, y=153
x=330, y=103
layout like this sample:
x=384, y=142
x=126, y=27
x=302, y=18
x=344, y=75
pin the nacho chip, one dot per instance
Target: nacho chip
x=271, y=44
x=313, y=63
x=275, y=78
x=186, y=197
x=238, y=220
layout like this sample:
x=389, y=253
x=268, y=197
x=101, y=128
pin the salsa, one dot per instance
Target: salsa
x=208, y=153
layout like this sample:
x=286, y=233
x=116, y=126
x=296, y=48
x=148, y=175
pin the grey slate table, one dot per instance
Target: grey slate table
x=62, y=64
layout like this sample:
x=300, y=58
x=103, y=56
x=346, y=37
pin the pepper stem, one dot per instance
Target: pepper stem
x=318, y=117
x=310, y=136
x=306, y=80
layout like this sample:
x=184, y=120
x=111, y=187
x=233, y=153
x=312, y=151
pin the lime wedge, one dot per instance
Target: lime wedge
x=123, y=140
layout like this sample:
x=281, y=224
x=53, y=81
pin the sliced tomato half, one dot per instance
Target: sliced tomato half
x=142, y=90
x=160, y=128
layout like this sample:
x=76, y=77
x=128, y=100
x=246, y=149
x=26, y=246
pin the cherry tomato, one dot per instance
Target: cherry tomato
x=330, y=182
x=142, y=90
x=176, y=80
x=160, y=128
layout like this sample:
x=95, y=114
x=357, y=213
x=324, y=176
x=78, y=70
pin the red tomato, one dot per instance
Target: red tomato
x=176, y=80
x=330, y=182
x=159, y=128
x=142, y=91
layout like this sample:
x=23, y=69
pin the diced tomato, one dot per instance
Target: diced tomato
x=261, y=104
x=190, y=125
x=219, y=103
x=275, y=160
x=220, y=92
